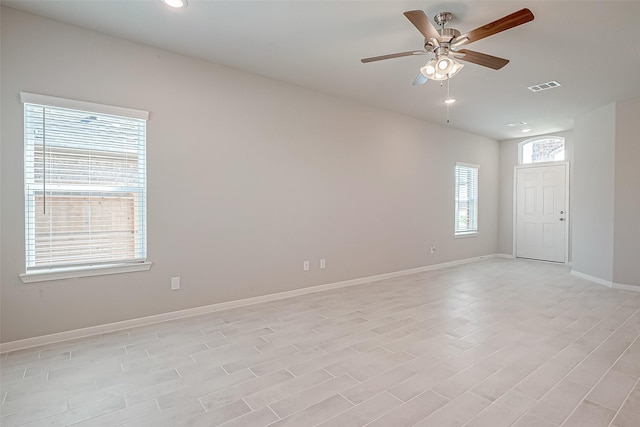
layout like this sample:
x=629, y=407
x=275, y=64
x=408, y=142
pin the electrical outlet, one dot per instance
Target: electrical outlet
x=305, y=266
x=323, y=263
x=175, y=283
x=433, y=249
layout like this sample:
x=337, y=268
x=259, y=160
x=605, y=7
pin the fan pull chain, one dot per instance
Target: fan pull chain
x=448, y=84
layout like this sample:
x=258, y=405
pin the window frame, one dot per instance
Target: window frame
x=474, y=202
x=532, y=140
x=87, y=269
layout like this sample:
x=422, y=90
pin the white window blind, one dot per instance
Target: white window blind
x=466, y=210
x=85, y=184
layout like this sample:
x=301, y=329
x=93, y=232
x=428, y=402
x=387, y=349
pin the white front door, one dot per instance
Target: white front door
x=541, y=212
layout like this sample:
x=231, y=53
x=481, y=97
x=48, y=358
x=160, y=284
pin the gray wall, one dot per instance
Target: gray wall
x=593, y=192
x=626, y=251
x=509, y=160
x=247, y=177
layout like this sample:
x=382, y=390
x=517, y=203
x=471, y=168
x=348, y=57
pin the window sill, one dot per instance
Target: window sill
x=465, y=235
x=71, y=273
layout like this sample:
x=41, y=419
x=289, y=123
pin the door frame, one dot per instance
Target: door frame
x=516, y=168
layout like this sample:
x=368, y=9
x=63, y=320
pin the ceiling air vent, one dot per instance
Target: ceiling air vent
x=544, y=86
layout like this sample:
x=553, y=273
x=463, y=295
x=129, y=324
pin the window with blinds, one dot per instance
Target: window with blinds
x=85, y=184
x=466, y=212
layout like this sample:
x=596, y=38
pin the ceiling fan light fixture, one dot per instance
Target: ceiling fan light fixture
x=177, y=4
x=429, y=70
x=432, y=69
x=456, y=67
x=444, y=64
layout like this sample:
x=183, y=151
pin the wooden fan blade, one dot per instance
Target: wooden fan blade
x=517, y=18
x=482, y=59
x=393, y=55
x=419, y=19
x=419, y=80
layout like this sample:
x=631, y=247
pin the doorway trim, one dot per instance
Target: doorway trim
x=567, y=234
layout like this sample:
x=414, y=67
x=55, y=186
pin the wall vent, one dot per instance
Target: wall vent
x=544, y=86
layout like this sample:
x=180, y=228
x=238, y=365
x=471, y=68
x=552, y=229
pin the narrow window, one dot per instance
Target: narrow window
x=544, y=149
x=466, y=212
x=85, y=184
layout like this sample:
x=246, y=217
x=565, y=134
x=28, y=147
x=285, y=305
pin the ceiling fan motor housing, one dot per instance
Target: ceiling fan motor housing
x=447, y=34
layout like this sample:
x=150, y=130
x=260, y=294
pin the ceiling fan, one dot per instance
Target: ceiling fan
x=444, y=44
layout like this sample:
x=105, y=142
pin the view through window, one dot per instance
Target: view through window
x=85, y=187
x=545, y=149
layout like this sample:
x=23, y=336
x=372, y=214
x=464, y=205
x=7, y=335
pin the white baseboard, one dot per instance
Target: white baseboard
x=606, y=283
x=174, y=315
x=626, y=287
x=593, y=279
x=507, y=256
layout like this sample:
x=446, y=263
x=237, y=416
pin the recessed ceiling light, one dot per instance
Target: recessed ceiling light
x=516, y=124
x=449, y=101
x=175, y=3
x=526, y=130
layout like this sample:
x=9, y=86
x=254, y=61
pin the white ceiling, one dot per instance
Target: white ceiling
x=590, y=47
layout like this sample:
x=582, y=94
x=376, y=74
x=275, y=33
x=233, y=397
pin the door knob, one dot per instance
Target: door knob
x=561, y=219
x=561, y=212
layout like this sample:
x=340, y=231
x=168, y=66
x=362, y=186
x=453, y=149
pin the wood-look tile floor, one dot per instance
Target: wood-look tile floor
x=489, y=344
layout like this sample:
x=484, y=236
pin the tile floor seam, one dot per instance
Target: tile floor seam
x=577, y=406
x=387, y=412
x=304, y=390
x=490, y=405
x=355, y=379
x=361, y=403
x=306, y=407
x=537, y=416
x=637, y=383
x=334, y=376
x=542, y=417
x=387, y=392
x=417, y=396
x=473, y=364
x=392, y=341
x=348, y=400
x=230, y=419
x=273, y=412
x=433, y=391
x=341, y=412
x=406, y=351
